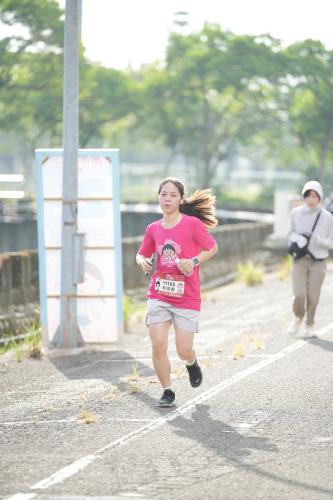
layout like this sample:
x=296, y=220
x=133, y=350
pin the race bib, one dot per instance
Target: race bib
x=170, y=285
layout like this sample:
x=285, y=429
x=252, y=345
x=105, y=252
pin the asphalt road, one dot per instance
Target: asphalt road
x=259, y=427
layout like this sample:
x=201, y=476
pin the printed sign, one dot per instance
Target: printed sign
x=99, y=296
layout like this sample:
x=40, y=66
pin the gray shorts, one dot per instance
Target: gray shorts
x=159, y=312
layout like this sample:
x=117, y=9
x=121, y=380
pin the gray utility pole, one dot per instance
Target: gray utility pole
x=68, y=334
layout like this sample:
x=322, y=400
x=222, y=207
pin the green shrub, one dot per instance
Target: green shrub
x=250, y=273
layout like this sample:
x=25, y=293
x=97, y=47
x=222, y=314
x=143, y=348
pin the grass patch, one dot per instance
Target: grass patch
x=26, y=344
x=128, y=310
x=250, y=274
x=112, y=393
x=133, y=311
x=135, y=374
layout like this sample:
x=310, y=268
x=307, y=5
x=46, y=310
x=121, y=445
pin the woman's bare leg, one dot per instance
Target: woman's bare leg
x=159, y=339
x=184, y=345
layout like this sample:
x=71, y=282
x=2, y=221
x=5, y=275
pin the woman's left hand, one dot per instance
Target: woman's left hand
x=186, y=265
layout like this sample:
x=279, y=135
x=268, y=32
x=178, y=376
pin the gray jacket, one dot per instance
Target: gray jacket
x=301, y=222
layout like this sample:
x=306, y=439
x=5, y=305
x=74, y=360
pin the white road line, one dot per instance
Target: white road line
x=144, y=358
x=23, y=496
x=131, y=419
x=123, y=496
x=16, y=423
x=253, y=356
x=323, y=440
x=33, y=422
x=71, y=470
x=62, y=474
x=227, y=334
x=254, y=308
x=133, y=360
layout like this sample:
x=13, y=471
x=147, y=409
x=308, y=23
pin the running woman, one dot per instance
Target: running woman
x=181, y=243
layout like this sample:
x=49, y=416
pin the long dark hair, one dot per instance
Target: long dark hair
x=200, y=204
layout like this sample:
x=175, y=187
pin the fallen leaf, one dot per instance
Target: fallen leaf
x=133, y=389
x=238, y=351
x=88, y=417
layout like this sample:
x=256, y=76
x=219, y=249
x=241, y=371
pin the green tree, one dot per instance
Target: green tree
x=31, y=80
x=198, y=102
x=31, y=65
x=37, y=26
x=41, y=23
x=32, y=102
x=109, y=99
x=311, y=100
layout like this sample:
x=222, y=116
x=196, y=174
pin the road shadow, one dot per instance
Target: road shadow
x=222, y=438
x=118, y=368
x=322, y=343
x=233, y=446
x=227, y=442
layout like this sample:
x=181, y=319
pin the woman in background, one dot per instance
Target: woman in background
x=308, y=272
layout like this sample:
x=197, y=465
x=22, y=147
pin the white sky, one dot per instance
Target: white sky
x=121, y=32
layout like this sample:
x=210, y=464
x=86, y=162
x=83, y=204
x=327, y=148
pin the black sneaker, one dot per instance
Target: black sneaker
x=167, y=398
x=194, y=373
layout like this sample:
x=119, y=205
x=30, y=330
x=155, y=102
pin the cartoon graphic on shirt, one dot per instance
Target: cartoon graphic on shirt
x=169, y=252
x=157, y=285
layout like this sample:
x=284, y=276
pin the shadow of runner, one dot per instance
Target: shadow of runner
x=231, y=445
x=113, y=367
x=324, y=344
x=222, y=438
x=108, y=366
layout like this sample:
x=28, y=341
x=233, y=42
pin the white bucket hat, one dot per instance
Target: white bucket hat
x=315, y=186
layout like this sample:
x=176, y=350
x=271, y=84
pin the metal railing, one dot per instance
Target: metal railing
x=21, y=336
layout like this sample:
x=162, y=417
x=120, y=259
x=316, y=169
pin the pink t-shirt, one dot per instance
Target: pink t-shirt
x=183, y=241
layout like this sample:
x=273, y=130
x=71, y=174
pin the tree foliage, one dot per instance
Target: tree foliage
x=106, y=97
x=31, y=79
x=311, y=99
x=206, y=98
x=214, y=91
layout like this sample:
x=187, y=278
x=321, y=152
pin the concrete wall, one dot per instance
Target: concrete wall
x=18, y=291
x=18, y=279
x=17, y=236
x=22, y=235
x=19, y=271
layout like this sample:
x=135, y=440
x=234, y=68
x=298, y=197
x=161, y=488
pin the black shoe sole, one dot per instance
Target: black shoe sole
x=165, y=405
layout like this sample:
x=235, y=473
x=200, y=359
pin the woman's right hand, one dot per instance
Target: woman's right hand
x=146, y=265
